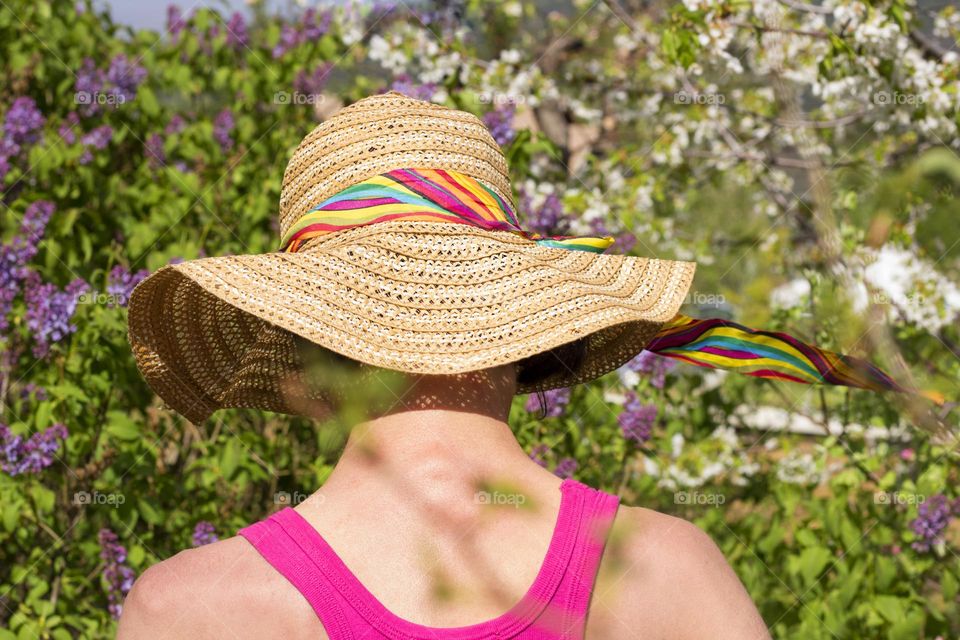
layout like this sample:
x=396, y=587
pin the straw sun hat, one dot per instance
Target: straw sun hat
x=425, y=287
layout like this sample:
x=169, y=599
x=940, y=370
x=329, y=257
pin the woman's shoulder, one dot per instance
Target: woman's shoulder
x=223, y=589
x=663, y=573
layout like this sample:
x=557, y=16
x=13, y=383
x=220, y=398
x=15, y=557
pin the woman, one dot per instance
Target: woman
x=406, y=289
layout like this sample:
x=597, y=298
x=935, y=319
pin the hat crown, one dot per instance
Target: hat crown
x=381, y=133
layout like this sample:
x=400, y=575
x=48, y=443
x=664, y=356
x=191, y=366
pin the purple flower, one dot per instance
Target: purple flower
x=547, y=219
x=237, y=36
x=538, y=453
x=153, y=149
x=933, y=516
x=204, y=533
x=222, y=128
x=175, y=20
x=405, y=85
x=98, y=138
x=31, y=389
x=175, y=125
x=21, y=249
x=125, y=76
x=312, y=83
x=566, y=468
x=289, y=39
x=380, y=11
x=49, y=311
x=22, y=121
x=500, y=123
x=66, y=129
x=314, y=26
x=117, y=574
x=556, y=402
x=88, y=85
x=121, y=282
x=653, y=365
x=636, y=420
x=33, y=455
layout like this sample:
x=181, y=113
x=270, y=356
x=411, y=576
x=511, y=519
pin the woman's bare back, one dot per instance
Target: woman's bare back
x=447, y=560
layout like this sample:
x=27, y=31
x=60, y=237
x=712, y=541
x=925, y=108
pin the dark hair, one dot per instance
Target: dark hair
x=542, y=367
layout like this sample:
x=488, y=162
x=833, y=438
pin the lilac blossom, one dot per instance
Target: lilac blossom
x=117, y=574
x=49, y=310
x=312, y=83
x=933, y=516
x=653, y=365
x=125, y=76
x=500, y=123
x=223, y=126
x=153, y=149
x=15, y=255
x=31, y=455
x=121, y=282
x=405, y=85
x=547, y=219
x=314, y=25
x=7, y=150
x=66, y=128
x=97, y=138
x=380, y=11
x=175, y=126
x=289, y=39
x=88, y=85
x=22, y=122
x=204, y=533
x=636, y=420
x=175, y=21
x=538, y=454
x=31, y=389
x=566, y=468
x=237, y=36
x=556, y=401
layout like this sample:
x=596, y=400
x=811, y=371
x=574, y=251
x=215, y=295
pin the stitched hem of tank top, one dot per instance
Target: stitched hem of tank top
x=328, y=610
x=508, y=624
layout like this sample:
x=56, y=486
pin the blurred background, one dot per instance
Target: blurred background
x=803, y=153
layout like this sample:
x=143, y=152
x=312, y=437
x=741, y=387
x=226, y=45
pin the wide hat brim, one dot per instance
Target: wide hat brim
x=413, y=296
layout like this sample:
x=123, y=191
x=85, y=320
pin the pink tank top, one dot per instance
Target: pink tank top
x=554, y=608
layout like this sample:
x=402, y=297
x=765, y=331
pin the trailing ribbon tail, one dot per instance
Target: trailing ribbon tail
x=722, y=344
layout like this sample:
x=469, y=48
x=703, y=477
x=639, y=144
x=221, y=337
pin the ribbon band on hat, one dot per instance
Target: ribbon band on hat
x=449, y=196
x=422, y=194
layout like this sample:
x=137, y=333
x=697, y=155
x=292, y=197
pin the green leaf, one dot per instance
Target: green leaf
x=122, y=427
x=149, y=514
x=813, y=560
x=232, y=453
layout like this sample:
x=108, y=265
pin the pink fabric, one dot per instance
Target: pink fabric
x=554, y=608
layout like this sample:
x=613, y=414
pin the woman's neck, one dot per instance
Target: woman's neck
x=429, y=442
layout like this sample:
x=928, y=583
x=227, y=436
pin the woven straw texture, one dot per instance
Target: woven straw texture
x=414, y=296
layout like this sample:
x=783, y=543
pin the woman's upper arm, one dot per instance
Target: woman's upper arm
x=663, y=577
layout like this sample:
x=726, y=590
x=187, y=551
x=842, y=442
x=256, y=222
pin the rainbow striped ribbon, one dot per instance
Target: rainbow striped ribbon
x=449, y=196
x=422, y=194
x=722, y=344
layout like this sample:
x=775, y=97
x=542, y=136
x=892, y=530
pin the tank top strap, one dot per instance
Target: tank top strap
x=566, y=615
x=281, y=544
